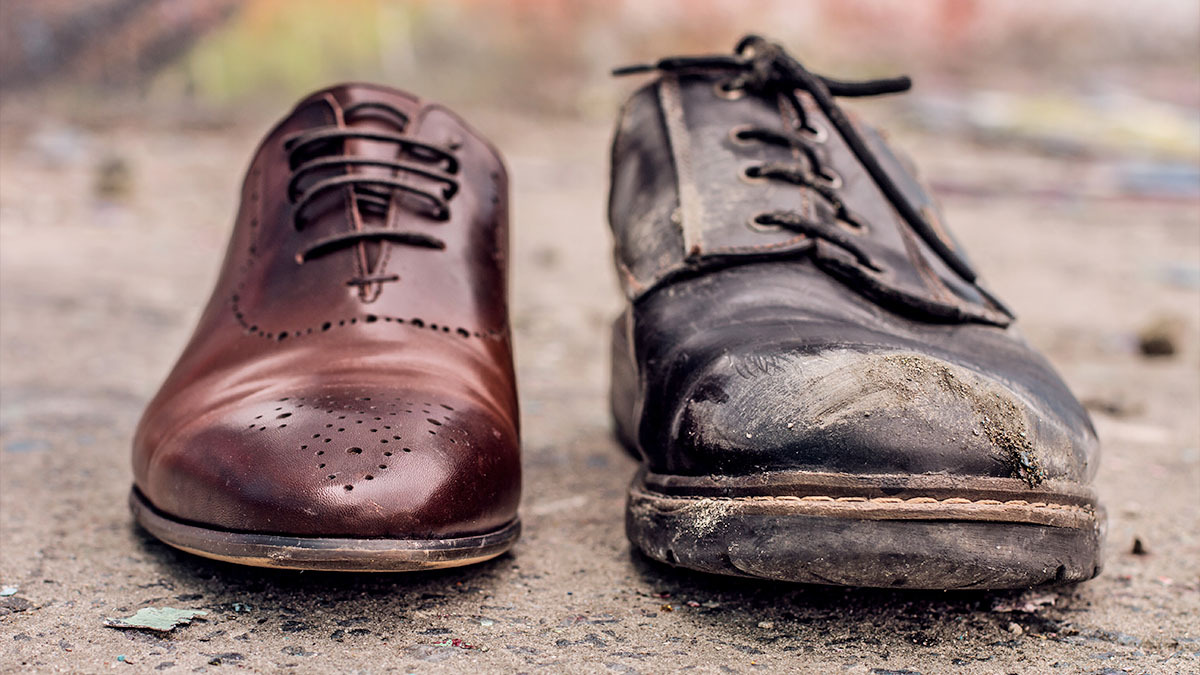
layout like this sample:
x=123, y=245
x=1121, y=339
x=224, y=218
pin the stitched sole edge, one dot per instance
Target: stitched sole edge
x=330, y=554
x=962, y=542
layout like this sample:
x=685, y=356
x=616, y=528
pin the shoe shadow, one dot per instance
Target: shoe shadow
x=227, y=586
x=756, y=616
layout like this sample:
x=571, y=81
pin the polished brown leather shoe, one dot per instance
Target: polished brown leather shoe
x=348, y=401
x=818, y=386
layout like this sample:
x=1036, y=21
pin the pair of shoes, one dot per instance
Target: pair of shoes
x=817, y=385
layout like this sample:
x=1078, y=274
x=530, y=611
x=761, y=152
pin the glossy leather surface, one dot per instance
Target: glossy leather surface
x=366, y=392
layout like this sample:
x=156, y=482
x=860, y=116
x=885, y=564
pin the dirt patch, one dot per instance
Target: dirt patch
x=1000, y=419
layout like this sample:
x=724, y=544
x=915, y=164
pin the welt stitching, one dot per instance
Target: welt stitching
x=949, y=501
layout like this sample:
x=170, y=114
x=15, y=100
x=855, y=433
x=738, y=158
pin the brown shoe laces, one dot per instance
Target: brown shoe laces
x=320, y=148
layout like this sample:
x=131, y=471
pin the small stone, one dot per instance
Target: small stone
x=1161, y=337
x=113, y=180
x=768, y=625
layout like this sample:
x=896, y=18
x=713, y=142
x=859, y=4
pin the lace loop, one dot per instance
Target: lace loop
x=767, y=69
x=299, y=142
x=451, y=185
x=440, y=211
x=374, y=192
x=345, y=239
x=818, y=230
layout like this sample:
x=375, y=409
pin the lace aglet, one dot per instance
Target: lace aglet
x=672, y=63
x=634, y=69
x=890, y=85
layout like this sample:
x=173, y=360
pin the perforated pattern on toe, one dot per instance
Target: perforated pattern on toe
x=347, y=440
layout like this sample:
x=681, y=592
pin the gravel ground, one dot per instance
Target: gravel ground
x=99, y=295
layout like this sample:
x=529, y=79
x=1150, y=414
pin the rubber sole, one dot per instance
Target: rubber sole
x=330, y=554
x=920, y=532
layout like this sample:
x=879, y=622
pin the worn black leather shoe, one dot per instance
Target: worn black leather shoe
x=818, y=385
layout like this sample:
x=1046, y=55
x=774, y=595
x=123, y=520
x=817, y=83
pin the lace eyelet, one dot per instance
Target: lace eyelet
x=831, y=178
x=724, y=89
x=852, y=226
x=813, y=133
x=734, y=134
x=755, y=224
x=752, y=173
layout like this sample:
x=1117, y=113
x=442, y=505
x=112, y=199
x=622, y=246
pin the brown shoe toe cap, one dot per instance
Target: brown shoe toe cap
x=399, y=464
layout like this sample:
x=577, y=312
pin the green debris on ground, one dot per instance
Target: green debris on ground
x=161, y=619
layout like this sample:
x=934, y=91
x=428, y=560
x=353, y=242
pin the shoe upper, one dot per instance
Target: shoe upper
x=796, y=301
x=352, y=373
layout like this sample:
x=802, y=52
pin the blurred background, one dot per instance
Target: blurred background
x=1063, y=139
x=1075, y=75
x=1081, y=65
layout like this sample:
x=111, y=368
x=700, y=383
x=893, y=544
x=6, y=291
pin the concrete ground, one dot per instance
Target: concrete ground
x=103, y=272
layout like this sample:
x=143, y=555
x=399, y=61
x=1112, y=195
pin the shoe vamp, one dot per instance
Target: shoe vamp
x=775, y=366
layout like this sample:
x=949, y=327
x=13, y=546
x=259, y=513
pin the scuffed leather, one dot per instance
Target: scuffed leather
x=735, y=360
x=675, y=146
x=301, y=406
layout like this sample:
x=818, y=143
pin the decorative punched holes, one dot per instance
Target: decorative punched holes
x=465, y=333
x=350, y=441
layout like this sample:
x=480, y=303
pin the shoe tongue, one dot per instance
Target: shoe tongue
x=370, y=216
x=365, y=206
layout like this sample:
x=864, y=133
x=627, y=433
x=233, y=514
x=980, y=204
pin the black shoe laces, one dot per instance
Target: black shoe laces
x=320, y=148
x=764, y=68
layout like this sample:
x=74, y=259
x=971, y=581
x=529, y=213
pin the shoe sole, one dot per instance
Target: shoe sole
x=884, y=531
x=330, y=554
